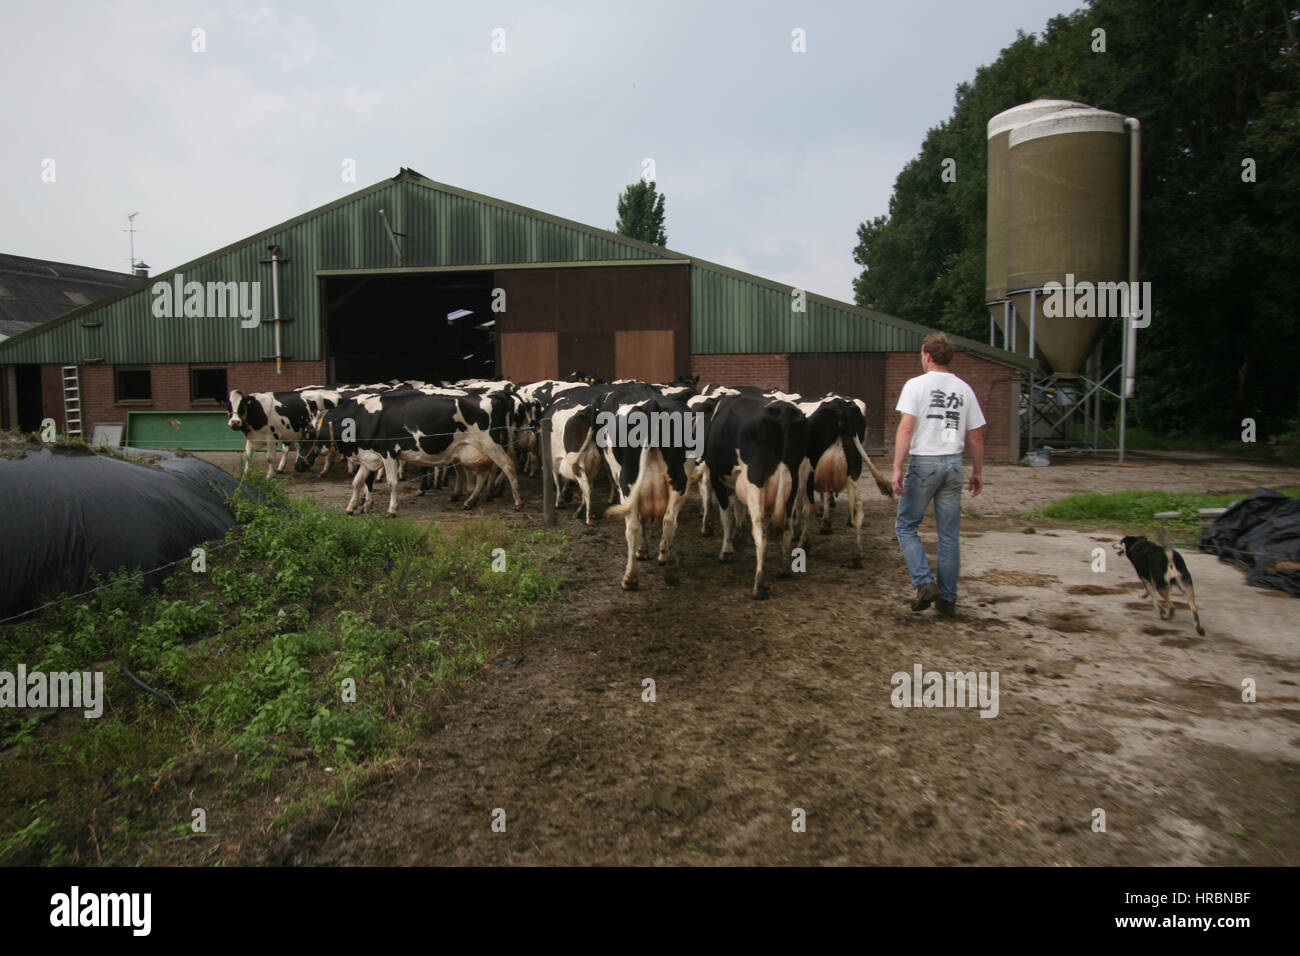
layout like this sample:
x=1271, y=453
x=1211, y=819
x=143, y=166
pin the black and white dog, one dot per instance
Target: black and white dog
x=1158, y=567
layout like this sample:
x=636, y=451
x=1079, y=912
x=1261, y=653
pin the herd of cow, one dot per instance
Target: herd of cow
x=759, y=450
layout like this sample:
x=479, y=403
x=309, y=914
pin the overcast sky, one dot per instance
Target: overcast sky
x=769, y=158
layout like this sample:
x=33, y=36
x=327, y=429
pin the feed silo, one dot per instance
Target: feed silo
x=999, y=129
x=1067, y=185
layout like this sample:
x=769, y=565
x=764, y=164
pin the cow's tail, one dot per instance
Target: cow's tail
x=886, y=487
x=633, y=499
x=781, y=496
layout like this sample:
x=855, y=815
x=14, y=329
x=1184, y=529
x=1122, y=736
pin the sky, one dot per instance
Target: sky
x=214, y=121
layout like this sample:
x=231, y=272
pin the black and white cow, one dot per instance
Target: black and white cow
x=319, y=401
x=431, y=430
x=837, y=429
x=704, y=401
x=574, y=454
x=755, y=449
x=644, y=438
x=265, y=418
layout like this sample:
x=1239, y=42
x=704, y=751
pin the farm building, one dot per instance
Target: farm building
x=33, y=291
x=411, y=278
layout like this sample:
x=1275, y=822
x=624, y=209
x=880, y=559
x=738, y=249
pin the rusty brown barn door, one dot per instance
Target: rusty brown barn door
x=852, y=374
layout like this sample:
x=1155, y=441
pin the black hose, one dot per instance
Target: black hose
x=146, y=688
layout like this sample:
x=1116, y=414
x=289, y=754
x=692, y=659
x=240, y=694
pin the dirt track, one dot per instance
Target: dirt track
x=765, y=707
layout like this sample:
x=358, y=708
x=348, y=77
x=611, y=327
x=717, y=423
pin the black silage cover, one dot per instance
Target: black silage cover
x=1255, y=535
x=66, y=514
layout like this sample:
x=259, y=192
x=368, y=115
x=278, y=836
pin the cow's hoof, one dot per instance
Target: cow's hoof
x=519, y=505
x=855, y=562
x=630, y=584
x=349, y=511
x=760, y=593
x=642, y=554
x=726, y=557
x=706, y=532
x=390, y=514
x=1200, y=631
x=783, y=573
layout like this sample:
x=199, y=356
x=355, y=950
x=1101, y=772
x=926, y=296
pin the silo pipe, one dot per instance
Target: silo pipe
x=1134, y=195
x=1130, y=331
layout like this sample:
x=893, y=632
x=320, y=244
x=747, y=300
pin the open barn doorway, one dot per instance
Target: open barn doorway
x=427, y=326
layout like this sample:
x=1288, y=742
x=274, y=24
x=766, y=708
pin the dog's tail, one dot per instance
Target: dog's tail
x=1162, y=536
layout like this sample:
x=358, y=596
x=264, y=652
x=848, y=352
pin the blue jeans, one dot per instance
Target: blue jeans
x=937, y=477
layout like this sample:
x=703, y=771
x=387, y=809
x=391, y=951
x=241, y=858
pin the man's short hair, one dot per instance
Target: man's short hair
x=939, y=347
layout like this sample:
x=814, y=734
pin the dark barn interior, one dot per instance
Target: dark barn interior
x=28, y=380
x=381, y=327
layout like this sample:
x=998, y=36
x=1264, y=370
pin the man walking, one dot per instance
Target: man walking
x=940, y=412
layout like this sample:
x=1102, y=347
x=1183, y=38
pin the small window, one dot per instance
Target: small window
x=134, y=385
x=208, y=385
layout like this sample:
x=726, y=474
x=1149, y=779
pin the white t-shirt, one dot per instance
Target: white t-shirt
x=945, y=408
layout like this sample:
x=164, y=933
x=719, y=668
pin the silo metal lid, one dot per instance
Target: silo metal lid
x=1019, y=115
x=1083, y=119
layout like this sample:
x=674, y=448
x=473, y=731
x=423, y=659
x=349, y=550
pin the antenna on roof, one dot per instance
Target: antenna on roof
x=135, y=263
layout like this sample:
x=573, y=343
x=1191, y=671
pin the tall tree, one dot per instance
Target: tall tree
x=1215, y=83
x=641, y=213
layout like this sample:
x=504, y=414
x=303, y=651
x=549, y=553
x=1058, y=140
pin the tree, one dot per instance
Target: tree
x=1215, y=84
x=641, y=213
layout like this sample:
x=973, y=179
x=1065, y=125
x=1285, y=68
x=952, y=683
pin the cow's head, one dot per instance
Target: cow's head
x=317, y=435
x=238, y=404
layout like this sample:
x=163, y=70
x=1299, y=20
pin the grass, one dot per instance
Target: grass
x=1286, y=448
x=1135, y=510
x=313, y=640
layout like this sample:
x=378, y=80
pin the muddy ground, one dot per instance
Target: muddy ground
x=766, y=708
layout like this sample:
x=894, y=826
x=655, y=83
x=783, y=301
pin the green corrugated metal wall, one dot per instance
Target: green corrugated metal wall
x=440, y=229
x=730, y=314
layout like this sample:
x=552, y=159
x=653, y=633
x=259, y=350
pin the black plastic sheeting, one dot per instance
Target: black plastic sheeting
x=1258, y=533
x=63, y=515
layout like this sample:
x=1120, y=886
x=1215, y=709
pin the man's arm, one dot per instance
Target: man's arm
x=902, y=442
x=975, y=440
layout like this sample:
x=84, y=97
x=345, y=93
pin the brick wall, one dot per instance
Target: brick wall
x=765, y=370
x=170, y=386
x=995, y=386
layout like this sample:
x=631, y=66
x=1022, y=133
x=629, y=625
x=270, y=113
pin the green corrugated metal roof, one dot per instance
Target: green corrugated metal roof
x=442, y=227
x=734, y=311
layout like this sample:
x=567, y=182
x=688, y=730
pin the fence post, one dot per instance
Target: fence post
x=548, y=480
